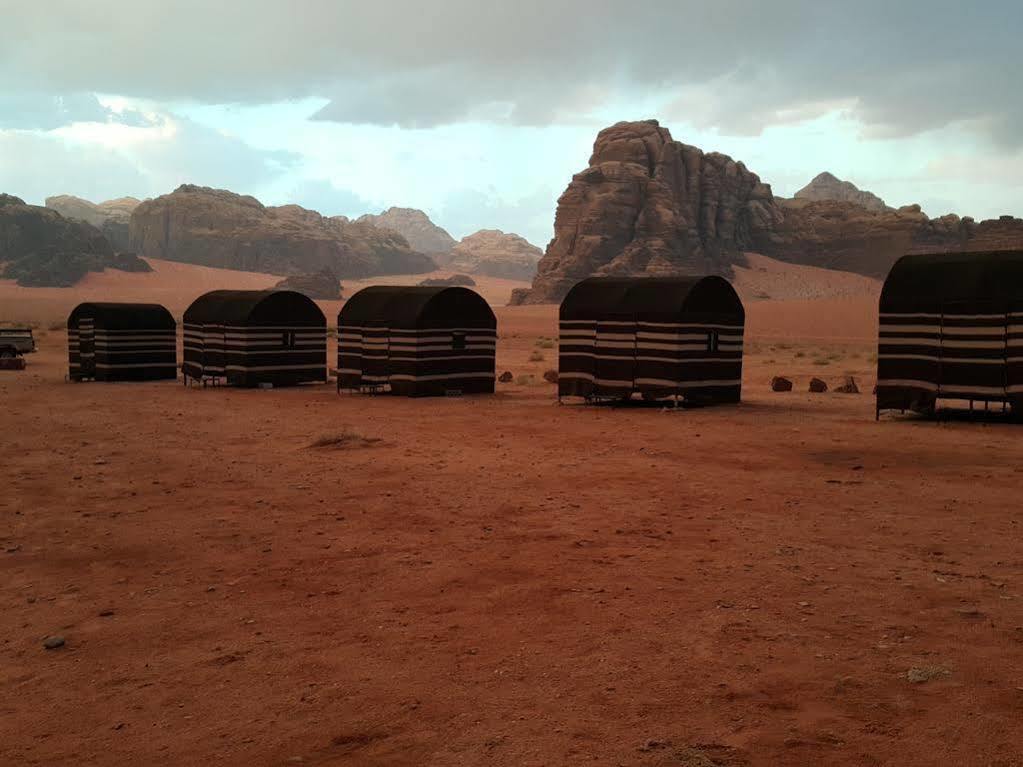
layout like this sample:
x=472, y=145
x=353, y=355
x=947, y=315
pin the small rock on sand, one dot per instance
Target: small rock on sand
x=781, y=384
x=506, y=377
x=818, y=386
x=550, y=376
x=848, y=386
x=52, y=643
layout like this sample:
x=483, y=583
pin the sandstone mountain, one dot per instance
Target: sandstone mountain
x=41, y=248
x=826, y=187
x=493, y=253
x=323, y=285
x=650, y=205
x=416, y=227
x=110, y=217
x=215, y=227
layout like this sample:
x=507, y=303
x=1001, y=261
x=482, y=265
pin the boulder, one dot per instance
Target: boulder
x=493, y=253
x=455, y=280
x=778, y=383
x=416, y=227
x=818, y=386
x=848, y=386
x=506, y=377
x=215, y=227
x=42, y=248
x=323, y=285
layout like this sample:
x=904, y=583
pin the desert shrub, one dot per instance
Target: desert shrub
x=345, y=439
x=545, y=343
x=536, y=356
x=822, y=361
x=57, y=326
x=525, y=380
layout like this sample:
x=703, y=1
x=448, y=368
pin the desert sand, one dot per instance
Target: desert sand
x=506, y=581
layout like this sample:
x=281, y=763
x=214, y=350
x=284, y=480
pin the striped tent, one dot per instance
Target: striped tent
x=416, y=341
x=252, y=337
x=658, y=336
x=951, y=327
x=121, y=342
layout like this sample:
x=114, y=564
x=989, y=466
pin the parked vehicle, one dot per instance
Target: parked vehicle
x=15, y=342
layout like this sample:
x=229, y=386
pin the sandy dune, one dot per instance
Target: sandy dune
x=176, y=285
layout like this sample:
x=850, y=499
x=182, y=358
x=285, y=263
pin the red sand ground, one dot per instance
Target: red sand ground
x=503, y=581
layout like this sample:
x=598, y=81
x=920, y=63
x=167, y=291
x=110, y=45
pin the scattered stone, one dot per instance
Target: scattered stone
x=550, y=376
x=969, y=612
x=921, y=674
x=654, y=744
x=54, y=642
x=818, y=386
x=506, y=377
x=105, y=613
x=100, y=462
x=848, y=387
x=781, y=384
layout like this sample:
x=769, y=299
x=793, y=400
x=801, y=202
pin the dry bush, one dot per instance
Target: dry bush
x=346, y=439
x=545, y=343
x=525, y=380
x=536, y=356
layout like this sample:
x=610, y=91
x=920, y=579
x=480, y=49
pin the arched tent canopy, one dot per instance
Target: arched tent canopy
x=417, y=306
x=416, y=340
x=951, y=327
x=659, y=336
x=652, y=298
x=264, y=307
x=255, y=337
x=121, y=342
x=932, y=281
x=123, y=316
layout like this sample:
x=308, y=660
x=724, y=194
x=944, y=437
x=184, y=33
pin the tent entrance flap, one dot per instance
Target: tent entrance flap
x=615, y=355
x=87, y=347
x=376, y=354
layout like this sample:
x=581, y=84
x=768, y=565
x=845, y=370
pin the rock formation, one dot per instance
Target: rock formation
x=41, y=248
x=323, y=285
x=110, y=217
x=493, y=253
x=416, y=227
x=650, y=205
x=215, y=227
x=826, y=187
x=455, y=280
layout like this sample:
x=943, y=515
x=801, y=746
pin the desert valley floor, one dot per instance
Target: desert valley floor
x=503, y=580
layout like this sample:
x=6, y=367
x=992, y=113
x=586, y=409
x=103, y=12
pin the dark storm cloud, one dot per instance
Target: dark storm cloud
x=901, y=67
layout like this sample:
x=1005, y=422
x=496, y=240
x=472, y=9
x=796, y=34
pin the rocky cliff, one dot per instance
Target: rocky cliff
x=493, y=253
x=110, y=217
x=416, y=227
x=825, y=186
x=41, y=248
x=215, y=227
x=323, y=285
x=650, y=205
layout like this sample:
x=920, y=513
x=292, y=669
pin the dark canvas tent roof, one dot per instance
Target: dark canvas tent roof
x=254, y=306
x=930, y=281
x=125, y=316
x=651, y=298
x=415, y=306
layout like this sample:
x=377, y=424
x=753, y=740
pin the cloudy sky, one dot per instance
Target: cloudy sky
x=479, y=111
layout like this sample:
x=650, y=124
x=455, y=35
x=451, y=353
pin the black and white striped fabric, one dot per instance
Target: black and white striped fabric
x=660, y=337
x=936, y=341
x=121, y=342
x=247, y=338
x=416, y=341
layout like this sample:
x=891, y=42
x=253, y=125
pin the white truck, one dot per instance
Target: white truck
x=16, y=342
